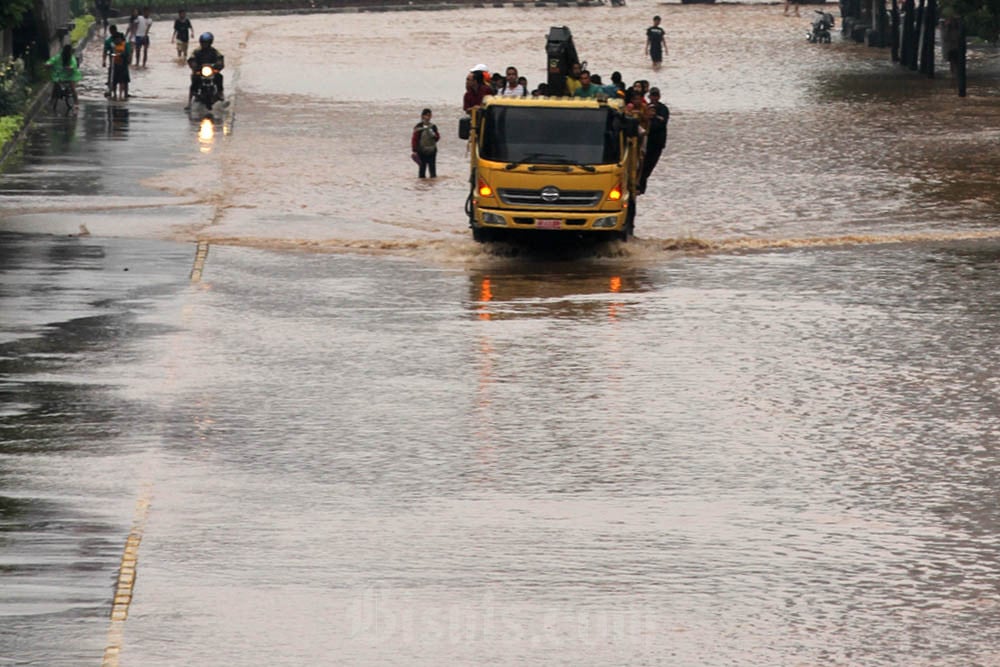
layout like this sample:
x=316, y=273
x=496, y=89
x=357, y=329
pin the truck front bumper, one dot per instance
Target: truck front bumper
x=573, y=221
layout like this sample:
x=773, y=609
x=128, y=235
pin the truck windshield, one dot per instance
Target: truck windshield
x=550, y=135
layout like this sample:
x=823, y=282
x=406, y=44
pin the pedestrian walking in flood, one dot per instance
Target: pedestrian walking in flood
x=103, y=10
x=423, y=143
x=130, y=30
x=142, y=25
x=182, y=33
x=656, y=42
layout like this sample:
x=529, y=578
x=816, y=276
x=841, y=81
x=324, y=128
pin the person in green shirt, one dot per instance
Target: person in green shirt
x=109, y=45
x=64, y=68
x=108, y=56
x=586, y=88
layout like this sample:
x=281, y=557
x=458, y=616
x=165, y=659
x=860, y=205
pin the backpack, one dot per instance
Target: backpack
x=427, y=144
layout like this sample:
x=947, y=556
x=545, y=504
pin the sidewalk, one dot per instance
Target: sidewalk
x=35, y=104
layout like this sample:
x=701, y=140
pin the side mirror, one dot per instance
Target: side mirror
x=465, y=128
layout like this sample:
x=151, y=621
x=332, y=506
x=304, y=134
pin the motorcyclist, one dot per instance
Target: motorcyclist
x=205, y=54
x=821, y=27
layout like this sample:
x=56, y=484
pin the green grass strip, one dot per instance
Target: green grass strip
x=9, y=127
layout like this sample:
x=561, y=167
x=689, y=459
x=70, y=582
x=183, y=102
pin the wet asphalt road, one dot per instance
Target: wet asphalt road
x=68, y=306
x=323, y=477
x=413, y=451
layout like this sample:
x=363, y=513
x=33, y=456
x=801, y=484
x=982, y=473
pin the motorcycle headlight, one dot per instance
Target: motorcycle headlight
x=206, y=70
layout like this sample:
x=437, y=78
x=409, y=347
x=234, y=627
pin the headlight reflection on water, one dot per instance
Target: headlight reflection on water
x=206, y=135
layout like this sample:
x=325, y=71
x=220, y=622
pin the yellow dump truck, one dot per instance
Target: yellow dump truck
x=555, y=164
x=552, y=164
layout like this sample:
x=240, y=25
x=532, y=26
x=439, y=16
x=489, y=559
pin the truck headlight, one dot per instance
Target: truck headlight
x=606, y=222
x=493, y=219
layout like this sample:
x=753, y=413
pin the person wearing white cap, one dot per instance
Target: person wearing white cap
x=487, y=78
x=476, y=89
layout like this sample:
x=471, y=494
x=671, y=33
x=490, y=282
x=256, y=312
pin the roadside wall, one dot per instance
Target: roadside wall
x=53, y=21
x=50, y=16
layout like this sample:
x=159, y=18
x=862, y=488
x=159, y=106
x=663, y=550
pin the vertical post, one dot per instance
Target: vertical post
x=882, y=24
x=894, y=31
x=961, y=59
x=913, y=52
x=906, y=41
x=927, y=52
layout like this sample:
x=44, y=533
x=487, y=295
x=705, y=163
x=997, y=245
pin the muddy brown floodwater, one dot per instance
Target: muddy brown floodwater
x=762, y=433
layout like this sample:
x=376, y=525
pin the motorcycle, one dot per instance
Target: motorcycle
x=821, y=27
x=206, y=91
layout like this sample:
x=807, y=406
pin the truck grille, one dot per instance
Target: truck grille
x=521, y=197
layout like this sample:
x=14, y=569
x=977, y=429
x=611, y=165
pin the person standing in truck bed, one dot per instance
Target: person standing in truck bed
x=476, y=89
x=511, y=86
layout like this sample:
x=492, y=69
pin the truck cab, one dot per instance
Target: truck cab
x=565, y=165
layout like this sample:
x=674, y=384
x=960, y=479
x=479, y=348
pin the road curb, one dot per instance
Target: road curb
x=12, y=144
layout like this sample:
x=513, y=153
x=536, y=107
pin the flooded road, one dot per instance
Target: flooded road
x=349, y=435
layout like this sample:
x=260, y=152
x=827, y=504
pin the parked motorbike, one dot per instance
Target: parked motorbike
x=821, y=27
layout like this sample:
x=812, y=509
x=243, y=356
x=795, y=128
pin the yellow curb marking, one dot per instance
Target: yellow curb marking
x=130, y=555
x=126, y=580
x=200, y=255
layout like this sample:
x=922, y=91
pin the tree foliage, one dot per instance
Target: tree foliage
x=981, y=17
x=12, y=11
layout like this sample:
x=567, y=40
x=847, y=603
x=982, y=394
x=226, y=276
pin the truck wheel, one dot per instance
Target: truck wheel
x=482, y=234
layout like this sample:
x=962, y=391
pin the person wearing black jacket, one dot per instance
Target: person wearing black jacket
x=205, y=54
x=656, y=139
